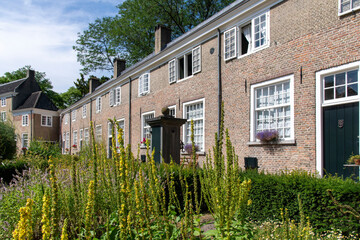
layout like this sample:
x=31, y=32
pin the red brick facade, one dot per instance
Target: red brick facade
x=305, y=36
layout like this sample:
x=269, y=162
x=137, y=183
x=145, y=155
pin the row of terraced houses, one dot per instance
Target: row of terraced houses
x=285, y=65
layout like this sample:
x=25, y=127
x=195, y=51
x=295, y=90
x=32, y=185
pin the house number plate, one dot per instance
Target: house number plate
x=341, y=123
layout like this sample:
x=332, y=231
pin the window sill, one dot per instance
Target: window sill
x=340, y=14
x=201, y=153
x=185, y=78
x=283, y=142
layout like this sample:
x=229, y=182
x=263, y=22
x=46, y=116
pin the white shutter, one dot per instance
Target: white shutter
x=117, y=95
x=111, y=98
x=196, y=59
x=141, y=79
x=172, y=71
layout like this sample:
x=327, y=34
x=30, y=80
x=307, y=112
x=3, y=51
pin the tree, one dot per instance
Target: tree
x=82, y=85
x=40, y=77
x=71, y=96
x=130, y=34
x=7, y=141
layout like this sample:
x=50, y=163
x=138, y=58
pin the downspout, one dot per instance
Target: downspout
x=129, y=110
x=31, y=125
x=70, y=120
x=90, y=112
x=219, y=82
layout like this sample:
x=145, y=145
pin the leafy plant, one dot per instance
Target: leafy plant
x=7, y=141
x=268, y=135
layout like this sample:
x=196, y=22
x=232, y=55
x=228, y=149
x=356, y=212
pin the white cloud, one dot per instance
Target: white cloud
x=41, y=34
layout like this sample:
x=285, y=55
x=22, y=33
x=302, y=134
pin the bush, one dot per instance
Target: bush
x=271, y=192
x=7, y=141
x=39, y=152
x=10, y=168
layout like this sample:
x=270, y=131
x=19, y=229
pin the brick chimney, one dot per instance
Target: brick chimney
x=119, y=66
x=93, y=83
x=30, y=73
x=162, y=37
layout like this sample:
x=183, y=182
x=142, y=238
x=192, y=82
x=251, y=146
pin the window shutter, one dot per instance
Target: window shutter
x=111, y=98
x=172, y=71
x=118, y=95
x=141, y=79
x=230, y=43
x=196, y=59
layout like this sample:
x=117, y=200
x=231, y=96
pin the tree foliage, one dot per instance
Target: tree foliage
x=7, y=141
x=40, y=77
x=130, y=34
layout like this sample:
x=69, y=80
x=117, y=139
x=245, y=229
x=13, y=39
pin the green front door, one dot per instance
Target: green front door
x=340, y=138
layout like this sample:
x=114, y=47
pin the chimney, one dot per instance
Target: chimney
x=93, y=83
x=119, y=66
x=162, y=37
x=30, y=73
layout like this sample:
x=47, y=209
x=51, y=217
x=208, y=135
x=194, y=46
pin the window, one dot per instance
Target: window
x=84, y=111
x=81, y=132
x=46, y=121
x=66, y=118
x=115, y=96
x=340, y=86
x=144, y=84
x=25, y=120
x=98, y=133
x=185, y=66
x=172, y=111
x=346, y=6
x=254, y=35
x=98, y=104
x=196, y=60
x=194, y=111
x=75, y=139
x=146, y=129
x=272, y=107
x=230, y=43
x=25, y=140
x=3, y=116
x=73, y=115
x=67, y=141
x=172, y=71
x=86, y=135
x=3, y=102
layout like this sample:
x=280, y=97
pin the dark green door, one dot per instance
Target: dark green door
x=156, y=142
x=340, y=138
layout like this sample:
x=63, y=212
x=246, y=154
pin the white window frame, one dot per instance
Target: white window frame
x=23, y=140
x=117, y=96
x=254, y=49
x=86, y=136
x=142, y=89
x=352, y=9
x=186, y=72
x=75, y=138
x=48, y=121
x=25, y=120
x=67, y=141
x=143, y=123
x=111, y=97
x=66, y=118
x=172, y=71
x=98, y=104
x=3, y=116
x=173, y=107
x=73, y=115
x=227, y=36
x=98, y=134
x=320, y=104
x=3, y=102
x=202, y=100
x=196, y=59
x=84, y=111
x=290, y=79
x=81, y=138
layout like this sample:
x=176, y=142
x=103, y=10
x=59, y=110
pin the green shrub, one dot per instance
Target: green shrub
x=10, y=168
x=271, y=192
x=39, y=152
x=7, y=141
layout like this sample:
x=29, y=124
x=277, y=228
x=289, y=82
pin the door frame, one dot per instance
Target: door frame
x=320, y=105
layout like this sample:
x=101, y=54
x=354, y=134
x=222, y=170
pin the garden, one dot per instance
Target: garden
x=90, y=196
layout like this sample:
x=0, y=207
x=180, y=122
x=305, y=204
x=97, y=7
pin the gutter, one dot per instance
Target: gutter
x=219, y=82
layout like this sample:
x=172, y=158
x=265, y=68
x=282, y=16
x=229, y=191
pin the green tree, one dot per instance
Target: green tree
x=7, y=141
x=71, y=96
x=40, y=77
x=82, y=85
x=130, y=34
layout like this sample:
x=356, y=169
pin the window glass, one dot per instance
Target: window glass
x=340, y=85
x=195, y=112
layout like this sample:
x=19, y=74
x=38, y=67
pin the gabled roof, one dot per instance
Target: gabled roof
x=38, y=100
x=10, y=86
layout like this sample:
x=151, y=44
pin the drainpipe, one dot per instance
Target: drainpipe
x=219, y=81
x=70, y=120
x=129, y=110
x=31, y=125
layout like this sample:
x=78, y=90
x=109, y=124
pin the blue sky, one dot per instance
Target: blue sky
x=41, y=33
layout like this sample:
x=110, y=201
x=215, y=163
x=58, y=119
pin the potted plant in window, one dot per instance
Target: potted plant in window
x=188, y=148
x=268, y=136
x=354, y=159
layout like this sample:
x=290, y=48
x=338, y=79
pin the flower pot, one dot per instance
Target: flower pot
x=357, y=161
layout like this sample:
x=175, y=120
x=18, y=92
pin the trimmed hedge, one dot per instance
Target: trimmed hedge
x=271, y=192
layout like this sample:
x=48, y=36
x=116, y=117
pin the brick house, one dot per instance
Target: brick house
x=286, y=65
x=31, y=112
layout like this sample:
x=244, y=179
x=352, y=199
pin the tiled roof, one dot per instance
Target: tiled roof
x=10, y=86
x=38, y=100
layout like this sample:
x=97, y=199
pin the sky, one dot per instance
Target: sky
x=41, y=33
